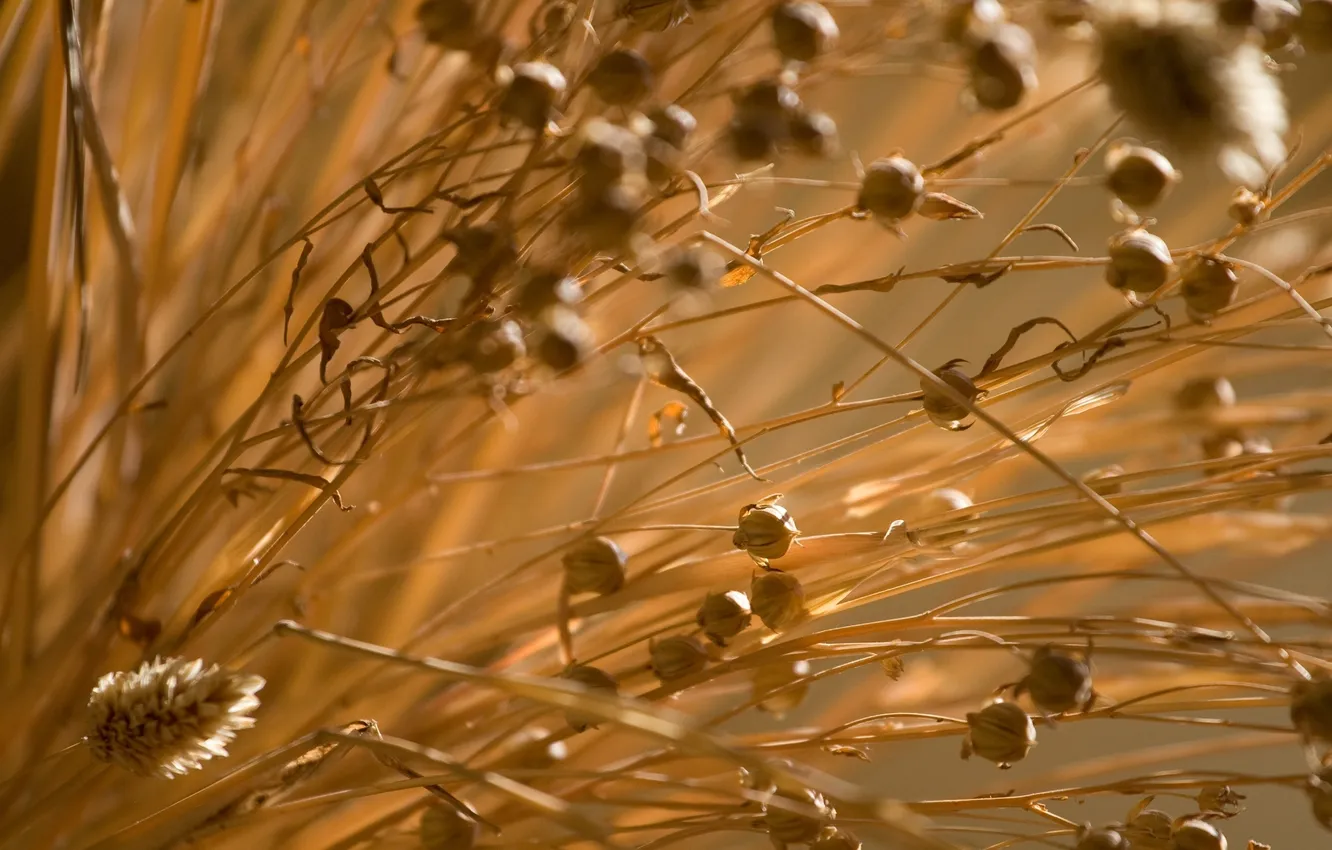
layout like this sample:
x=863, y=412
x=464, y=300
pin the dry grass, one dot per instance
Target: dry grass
x=387, y=551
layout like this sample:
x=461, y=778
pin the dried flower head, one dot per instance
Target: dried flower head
x=778, y=599
x=1183, y=79
x=1001, y=732
x=775, y=688
x=803, y=30
x=722, y=616
x=1139, y=262
x=677, y=656
x=766, y=531
x=791, y=827
x=595, y=680
x=595, y=565
x=169, y=716
x=1195, y=834
x=443, y=828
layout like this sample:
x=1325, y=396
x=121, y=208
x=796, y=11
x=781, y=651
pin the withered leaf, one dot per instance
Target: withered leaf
x=674, y=411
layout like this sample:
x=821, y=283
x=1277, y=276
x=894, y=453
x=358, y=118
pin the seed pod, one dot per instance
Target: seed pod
x=1247, y=207
x=762, y=119
x=563, y=339
x=595, y=680
x=966, y=22
x=941, y=500
x=1101, y=839
x=751, y=140
x=1001, y=732
x=724, y=615
x=1315, y=25
x=608, y=155
x=532, y=95
x=1057, y=682
x=595, y=565
x=451, y=24
x=836, y=839
x=676, y=657
x=605, y=220
x=673, y=125
x=1319, y=789
x=484, y=251
x=693, y=267
x=1311, y=709
x=1205, y=393
x=941, y=409
x=621, y=78
x=1149, y=830
x=494, y=345
x=791, y=827
x=1139, y=262
x=814, y=134
x=892, y=189
x=1193, y=834
x=772, y=677
x=546, y=288
x=803, y=30
x=765, y=531
x=1208, y=285
x=1221, y=799
x=664, y=163
x=443, y=828
x=942, y=207
x=1101, y=480
x=1138, y=175
x=1222, y=445
x=778, y=599
x=1002, y=68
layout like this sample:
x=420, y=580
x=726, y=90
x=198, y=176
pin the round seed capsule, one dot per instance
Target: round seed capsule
x=693, y=267
x=1319, y=789
x=532, y=95
x=1139, y=176
x=1002, y=68
x=1311, y=709
x=595, y=680
x=836, y=839
x=765, y=531
x=1247, y=207
x=941, y=500
x=1102, y=479
x=1001, y=732
x=768, y=104
x=595, y=565
x=672, y=124
x=892, y=189
x=1193, y=834
x=676, y=657
x=443, y=828
x=608, y=155
x=1057, y=682
x=564, y=339
x=778, y=599
x=482, y=249
x=493, y=346
x=1102, y=839
x=775, y=689
x=814, y=134
x=1221, y=799
x=1139, y=262
x=621, y=78
x=1205, y=393
x=722, y=616
x=751, y=140
x=803, y=30
x=1208, y=285
x=605, y=220
x=941, y=409
x=1149, y=830
x=451, y=24
x=1315, y=25
x=797, y=827
x=545, y=288
x=967, y=21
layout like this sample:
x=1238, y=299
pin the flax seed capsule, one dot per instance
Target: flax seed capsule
x=1101, y=839
x=595, y=680
x=1319, y=789
x=621, y=78
x=778, y=599
x=1207, y=392
x=1208, y=285
x=775, y=688
x=1001, y=732
x=1311, y=709
x=765, y=531
x=451, y=24
x=892, y=189
x=836, y=839
x=814, y=134
x=532, y=95
x=445, y=829
x=1138, y=175
x=1194, y=834
x=1002, y=68
x=1057, y=681
x=803, y=30
x=563, y=339
x=1139, y=262
x=941, y=409
x=595, y=565
x=722, y=616
x=608, y=155
x=676, y=657
x=494, y=345
x=798, y=827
